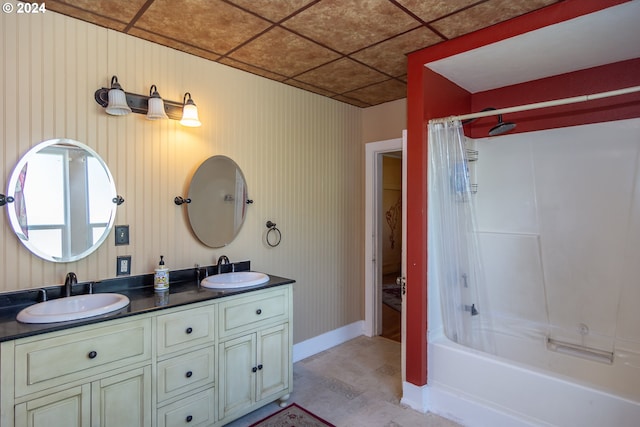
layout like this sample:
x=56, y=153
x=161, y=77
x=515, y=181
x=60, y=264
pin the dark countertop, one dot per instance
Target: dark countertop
x=139, y=290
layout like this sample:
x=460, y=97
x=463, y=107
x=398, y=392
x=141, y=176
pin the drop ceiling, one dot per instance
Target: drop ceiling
x=353, y=51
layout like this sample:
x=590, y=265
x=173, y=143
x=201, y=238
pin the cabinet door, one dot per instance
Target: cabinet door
x=69, y=408
x=122, y=400
x=237, y=375
x=273, y=361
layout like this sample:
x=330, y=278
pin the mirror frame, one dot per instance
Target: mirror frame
x=11, y=190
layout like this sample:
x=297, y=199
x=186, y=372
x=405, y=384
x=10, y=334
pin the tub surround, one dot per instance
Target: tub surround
x=184, y=289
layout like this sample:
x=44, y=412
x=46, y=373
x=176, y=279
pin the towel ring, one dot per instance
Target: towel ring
x=273, y=229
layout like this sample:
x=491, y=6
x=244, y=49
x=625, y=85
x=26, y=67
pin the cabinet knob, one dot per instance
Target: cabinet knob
x=92, y=355
x=259, y=367
x=188, y=374
x=259, y=311
x=189, y=330
x=189, y=418
x=254, y=369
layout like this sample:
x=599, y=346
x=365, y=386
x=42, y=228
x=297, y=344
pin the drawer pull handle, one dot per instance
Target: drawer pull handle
x=254, y=369
x=259, y=367
x=259, y=311
x=92, y=354
x=189, y=418
x=188, y=374
x=189, y=330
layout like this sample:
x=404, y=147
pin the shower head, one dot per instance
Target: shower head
x=501, y=127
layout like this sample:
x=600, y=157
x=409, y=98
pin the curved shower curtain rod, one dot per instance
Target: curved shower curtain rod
x=544, y=104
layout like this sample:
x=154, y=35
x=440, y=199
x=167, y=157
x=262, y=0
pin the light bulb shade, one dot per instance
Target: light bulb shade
x=117, y=100
x=189, y=112
x=155, y=109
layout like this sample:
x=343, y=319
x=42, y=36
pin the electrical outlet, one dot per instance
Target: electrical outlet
x=122, y=235
x=123, y=266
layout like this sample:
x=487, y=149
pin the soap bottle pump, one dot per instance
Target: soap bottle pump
x=161, y=277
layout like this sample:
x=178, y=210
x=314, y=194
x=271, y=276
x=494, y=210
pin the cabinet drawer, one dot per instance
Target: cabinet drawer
x=250, y=312
x=196, y=410
x=185, y=328
x=86, y=351
x=184, y=373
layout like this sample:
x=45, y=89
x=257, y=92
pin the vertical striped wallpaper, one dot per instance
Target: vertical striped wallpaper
x=302, y=156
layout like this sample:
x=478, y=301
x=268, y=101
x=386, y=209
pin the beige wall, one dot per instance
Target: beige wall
x=301, y=154
x=384, y=121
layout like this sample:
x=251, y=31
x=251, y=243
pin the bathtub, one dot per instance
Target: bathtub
x=479, y=389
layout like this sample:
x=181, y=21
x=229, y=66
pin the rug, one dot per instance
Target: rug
x=391, y=296
x=292, y=416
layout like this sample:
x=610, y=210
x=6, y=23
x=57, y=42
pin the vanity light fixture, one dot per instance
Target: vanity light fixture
x=117, y=99
x=118, y=102
x=189, y=112
x=155, y=105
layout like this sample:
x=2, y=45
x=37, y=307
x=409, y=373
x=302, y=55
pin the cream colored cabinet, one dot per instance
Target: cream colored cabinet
x=201, y=364
x=254, y=368
x=185, y=384
x=255, y=364
x=97, y=376
x=120, y=400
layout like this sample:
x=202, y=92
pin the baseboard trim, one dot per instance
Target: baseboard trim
x=325, y=341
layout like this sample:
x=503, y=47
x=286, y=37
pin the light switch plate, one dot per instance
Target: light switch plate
x=122, y=235
x=123, y=266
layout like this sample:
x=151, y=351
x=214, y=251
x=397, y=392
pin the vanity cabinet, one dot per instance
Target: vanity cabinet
x=97, y=375
x=255, y=351
x=186, y=366
x=200, y=364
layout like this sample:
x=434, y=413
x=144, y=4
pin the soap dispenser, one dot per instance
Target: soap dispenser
x=161, y=277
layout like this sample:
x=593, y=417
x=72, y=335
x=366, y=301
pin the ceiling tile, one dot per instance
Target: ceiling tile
x=183, y=47
x=351, y=101
x=341, y=76
x=347, y=26
x=272, y=10
x=391, y=56
x=310, y=88
x=106, y=13
x=429, y=10
x=386, y=91
x=283, y=52
x=214, y=25
x=486, y=14
x=251, y=69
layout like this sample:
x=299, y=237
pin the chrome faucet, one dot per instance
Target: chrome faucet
x=69, y=281
x=221, y=261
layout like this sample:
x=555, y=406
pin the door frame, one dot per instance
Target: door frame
x=372, y=274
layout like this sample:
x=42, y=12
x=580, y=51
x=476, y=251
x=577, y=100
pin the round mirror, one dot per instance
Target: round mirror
x=218, y=193
x=64, y=200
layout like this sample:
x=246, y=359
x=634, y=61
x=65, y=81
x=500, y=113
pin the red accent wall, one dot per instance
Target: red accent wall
x=584, y=82
x=431, y=96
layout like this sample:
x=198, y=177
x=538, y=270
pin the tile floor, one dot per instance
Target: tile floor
x=355, y=384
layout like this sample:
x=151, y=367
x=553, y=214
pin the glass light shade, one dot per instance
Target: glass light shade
x=189, y=112
x=117, y=103
x=156, y=106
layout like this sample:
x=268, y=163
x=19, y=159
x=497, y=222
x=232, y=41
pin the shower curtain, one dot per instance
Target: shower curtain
x=454, y=256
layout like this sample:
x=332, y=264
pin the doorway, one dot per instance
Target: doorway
x=385, y=237
x=390, y=236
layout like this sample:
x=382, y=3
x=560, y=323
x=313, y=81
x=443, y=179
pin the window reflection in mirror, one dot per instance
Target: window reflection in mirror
x=63, y=206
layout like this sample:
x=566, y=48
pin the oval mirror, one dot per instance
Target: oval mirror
x=218, y=193
x=64, y=200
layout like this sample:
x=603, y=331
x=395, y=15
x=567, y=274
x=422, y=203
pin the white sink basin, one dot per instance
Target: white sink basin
x=72, y=308
x=238, y=279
